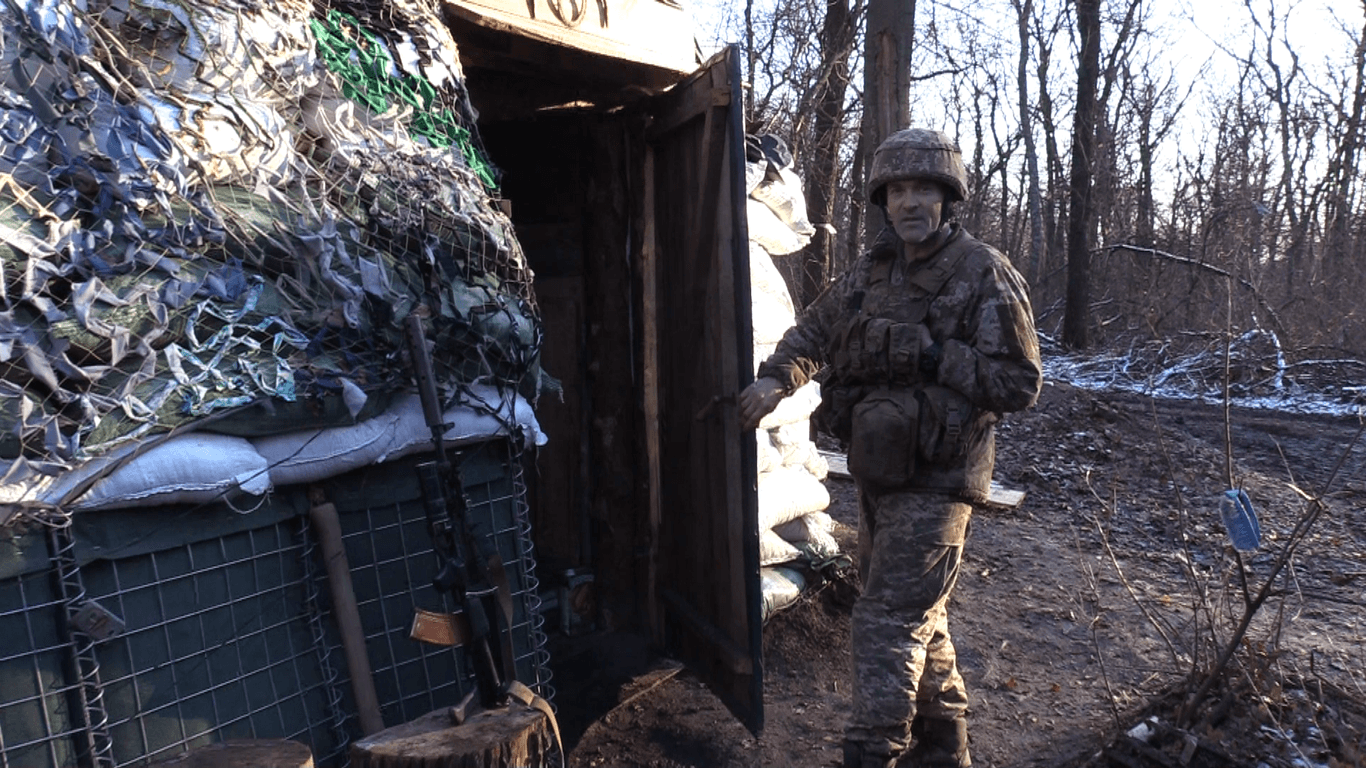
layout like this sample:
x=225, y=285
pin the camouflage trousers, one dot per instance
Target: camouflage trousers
x=910, y=548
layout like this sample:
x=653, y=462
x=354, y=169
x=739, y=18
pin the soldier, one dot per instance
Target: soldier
x=925, y=342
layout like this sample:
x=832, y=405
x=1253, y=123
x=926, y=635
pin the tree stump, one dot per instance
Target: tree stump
x=508, y=737
x=244, y=753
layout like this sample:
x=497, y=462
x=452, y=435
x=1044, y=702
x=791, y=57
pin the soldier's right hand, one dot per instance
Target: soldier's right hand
x=758, y=400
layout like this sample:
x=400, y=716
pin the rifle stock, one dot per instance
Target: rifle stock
x=463, y=571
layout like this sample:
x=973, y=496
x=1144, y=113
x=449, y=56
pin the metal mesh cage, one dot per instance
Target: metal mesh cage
x=217, y=645
x=384, y=530
x=36, y=727
x=226, y=628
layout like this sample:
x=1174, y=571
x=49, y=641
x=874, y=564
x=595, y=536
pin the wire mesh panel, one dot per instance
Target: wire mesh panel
x=217, y=645
x=393, y=563
x=226, y=630
x=36, y=728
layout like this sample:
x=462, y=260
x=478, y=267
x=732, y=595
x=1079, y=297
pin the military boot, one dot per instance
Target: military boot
x=938, y=744
x=857, y=755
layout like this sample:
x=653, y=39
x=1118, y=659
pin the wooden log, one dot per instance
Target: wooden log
x=498, y=738
x=244, y=753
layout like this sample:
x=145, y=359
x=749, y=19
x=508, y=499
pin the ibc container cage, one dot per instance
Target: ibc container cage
x=227, y=626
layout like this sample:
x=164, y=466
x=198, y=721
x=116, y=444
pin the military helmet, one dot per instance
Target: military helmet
x=918, y=153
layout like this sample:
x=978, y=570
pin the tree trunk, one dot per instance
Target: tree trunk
x=886, y=82
x=1339, y=214
x=823, y=175
x=1143, y=226
x=1054, y=211
x=1077, y=311
x=1025, y=8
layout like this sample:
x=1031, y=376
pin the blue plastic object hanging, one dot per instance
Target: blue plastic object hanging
x=1243, y=529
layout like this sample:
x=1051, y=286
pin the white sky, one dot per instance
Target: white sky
x=1191, y=33
x=1196, y=40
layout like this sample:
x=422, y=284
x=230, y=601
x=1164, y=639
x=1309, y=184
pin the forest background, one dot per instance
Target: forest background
x=1210, y=187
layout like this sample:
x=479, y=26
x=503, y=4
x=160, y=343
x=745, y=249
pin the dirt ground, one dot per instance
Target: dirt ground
x=1079, y=613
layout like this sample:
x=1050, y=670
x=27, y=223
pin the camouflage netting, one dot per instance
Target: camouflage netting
x=208, y=204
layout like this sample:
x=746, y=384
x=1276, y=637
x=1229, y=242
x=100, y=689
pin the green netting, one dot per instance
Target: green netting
x=358, y=57
x=205, y=205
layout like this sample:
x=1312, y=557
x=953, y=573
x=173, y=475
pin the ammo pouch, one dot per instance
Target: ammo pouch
x=885, y=430
x=897, y=429
x=945, y=420
x=834, y=414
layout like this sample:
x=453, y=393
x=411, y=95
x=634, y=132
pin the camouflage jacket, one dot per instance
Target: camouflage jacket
x=861, y=330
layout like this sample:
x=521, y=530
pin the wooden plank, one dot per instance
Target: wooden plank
x=559, y=503
x=997, y=496
x=650, y=33
x=735, y=658
x=685, y=103
x=649, y=271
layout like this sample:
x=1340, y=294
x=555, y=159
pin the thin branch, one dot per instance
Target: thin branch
x=1315, y=507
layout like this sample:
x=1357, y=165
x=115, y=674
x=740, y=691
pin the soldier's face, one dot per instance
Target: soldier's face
x=915, y=207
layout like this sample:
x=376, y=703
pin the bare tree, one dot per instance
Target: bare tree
x=886, y=80
x=823, y=174
x=1023, y=10
x=1077, y=314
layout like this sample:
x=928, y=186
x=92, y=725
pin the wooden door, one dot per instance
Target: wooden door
x=705, y=595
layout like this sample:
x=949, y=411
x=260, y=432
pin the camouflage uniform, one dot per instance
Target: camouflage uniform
x=862, y=331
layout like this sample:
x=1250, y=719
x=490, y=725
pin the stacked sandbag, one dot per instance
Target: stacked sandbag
x=217, y=216
x=793, y=525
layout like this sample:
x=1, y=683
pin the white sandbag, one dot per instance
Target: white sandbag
x=780, y=588
x=813, y=533
x=312, y=455
x=769, y=457
x=774, y=549
x=785, y=197
x=193, y=468
x=793, y=443
x=786, y=494
x=754, y=174
x=762, y=353
x=796, y=407
x=770, y=301
x=766, y=229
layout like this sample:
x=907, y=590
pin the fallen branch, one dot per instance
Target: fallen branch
x=1122, y=248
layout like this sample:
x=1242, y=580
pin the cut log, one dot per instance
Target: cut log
x=496, y=738
x=245, y=753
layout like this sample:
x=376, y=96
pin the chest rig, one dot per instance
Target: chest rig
x=877, y=340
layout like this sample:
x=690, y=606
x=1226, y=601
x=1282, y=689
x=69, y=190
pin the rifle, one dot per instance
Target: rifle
x=469, y=569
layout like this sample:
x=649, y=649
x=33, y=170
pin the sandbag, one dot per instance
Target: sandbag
x=761, y=353
x=794, y=446
x=769, y=232
x=786, y=494
x=784, y=196
x=773, y=549
x=769, y=457
x=187, y=469
x=813, y=533
x=796, y=407
x=780, y=588
x=771, y=306
x=305, y=457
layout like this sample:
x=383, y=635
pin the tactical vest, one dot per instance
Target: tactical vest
x=876, y=343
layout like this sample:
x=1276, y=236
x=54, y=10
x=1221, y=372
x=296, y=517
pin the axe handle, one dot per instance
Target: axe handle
x=323, y=515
